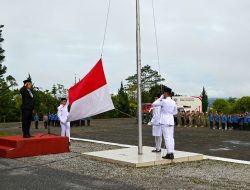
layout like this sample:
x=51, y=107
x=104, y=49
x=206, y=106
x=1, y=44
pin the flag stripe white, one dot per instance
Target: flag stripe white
x=94, y=103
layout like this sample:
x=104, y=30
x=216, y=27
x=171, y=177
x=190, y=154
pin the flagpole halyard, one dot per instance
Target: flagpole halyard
x=106, y=26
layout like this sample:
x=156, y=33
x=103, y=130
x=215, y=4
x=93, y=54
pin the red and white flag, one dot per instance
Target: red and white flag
x=90, y=96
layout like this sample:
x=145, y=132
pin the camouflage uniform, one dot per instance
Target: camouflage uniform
x=196, y=119
x=179, y=119
x=191, y=118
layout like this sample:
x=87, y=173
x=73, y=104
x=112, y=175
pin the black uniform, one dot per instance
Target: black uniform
x=27, y=108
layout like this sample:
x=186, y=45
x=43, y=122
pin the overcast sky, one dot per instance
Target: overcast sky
x=201, y=42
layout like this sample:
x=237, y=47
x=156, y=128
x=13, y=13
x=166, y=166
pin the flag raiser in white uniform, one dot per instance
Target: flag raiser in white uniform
x=168, y=110
x=90, y=96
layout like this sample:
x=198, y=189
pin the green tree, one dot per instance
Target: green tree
x=155, y=91
x=221, y=105
x=242, y=105
x=149, y=78
x=11, y=81
x=146, y=97
x=204, y=100
x=7, y=102
x=122, y=100
x=59, y=91
x=53, y=91
x=1, y=49
x=232, y=100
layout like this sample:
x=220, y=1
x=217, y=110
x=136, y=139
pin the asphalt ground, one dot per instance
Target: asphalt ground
x=22, y=176
x=73, y=171
x=233, y=144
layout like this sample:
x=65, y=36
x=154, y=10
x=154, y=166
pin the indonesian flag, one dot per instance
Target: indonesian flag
x=90, y=96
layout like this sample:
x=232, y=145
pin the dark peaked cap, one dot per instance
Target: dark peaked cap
x=168, y=90
x=27, y=80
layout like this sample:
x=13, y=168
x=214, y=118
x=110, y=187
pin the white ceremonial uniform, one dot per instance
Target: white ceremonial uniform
x=62, y=113
x=168, y=110
x=156, y=127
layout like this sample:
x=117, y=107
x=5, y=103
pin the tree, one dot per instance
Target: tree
x=11, y=80
x=2, y=67
x=242, y=105
x=222, y=105
x=1, y=50
x=53, y=91
x=59, y=91
x=122, y=100
x=232, y=100
x=204, y=100
x=7, y=103
x=149, y=78
x=155, y=91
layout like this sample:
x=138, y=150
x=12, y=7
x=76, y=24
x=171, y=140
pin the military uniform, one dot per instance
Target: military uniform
x=185, y=118
x=178, y=119
x=191, y=119
x=196, y=119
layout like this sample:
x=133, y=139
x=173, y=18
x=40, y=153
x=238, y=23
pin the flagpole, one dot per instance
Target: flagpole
x=138, y=62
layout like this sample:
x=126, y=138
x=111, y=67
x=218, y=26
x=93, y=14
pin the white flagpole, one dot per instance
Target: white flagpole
x=138, y=61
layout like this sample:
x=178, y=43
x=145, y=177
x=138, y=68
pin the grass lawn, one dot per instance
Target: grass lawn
x=3, y=134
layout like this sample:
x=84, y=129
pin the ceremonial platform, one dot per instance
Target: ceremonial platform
x=130, y=157
x=39, y=144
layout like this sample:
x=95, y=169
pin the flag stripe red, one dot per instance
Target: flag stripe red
x=91, y=82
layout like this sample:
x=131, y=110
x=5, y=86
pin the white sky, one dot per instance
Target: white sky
x=201, y=42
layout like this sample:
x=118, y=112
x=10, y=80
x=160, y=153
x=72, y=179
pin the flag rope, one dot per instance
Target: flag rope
x=156, y=43
x=126, y=113
x=106, y=26
x=156, y=39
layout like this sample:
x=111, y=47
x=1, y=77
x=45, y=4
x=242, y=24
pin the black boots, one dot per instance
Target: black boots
x=169, y=156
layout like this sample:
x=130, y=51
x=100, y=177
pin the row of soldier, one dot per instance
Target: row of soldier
x=191, y=119
x=213, y=120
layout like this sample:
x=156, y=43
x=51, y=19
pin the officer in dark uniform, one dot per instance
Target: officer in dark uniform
x=27, y=107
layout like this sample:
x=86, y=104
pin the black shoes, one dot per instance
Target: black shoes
x=169, y=156
x=27, y=136
x=156, y=150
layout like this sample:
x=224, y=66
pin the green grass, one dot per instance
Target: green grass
x=4, y=134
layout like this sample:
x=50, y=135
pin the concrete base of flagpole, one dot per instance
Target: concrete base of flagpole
x=130, y=157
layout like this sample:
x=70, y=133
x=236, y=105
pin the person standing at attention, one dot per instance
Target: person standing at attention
x=168, y=110
x=62, y=113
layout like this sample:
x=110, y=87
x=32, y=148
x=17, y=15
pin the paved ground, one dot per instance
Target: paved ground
x=229, y=144
x=72, y=171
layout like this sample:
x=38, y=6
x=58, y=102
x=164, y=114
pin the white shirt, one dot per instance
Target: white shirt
x=168, y=110
x=156, y=115
x=62, y=113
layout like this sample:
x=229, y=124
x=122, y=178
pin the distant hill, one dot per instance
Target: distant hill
x=211, y=101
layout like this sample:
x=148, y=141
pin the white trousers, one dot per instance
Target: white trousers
x=168, y=134
x=65, y=129
x=158, y=141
